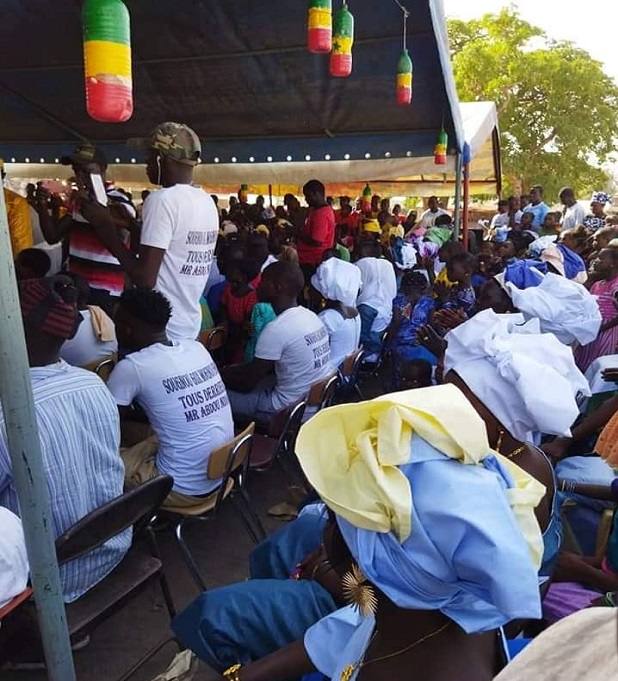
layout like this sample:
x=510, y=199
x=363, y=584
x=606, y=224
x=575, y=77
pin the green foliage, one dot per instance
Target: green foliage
x=557, y=109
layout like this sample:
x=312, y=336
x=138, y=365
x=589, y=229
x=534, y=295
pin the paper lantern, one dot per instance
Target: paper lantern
x=107, y=60
x=243, y=193
x=320, y=26
x=439, y=152
x=404, y=79
x=366, y=200
x=343, y=39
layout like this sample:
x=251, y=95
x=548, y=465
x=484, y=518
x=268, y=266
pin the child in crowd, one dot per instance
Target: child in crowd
x=412, y=309
x=415, y=373
x=238, y=301
x=460, y=269
x=32, y=263
x=507, y=252
x=551, y=226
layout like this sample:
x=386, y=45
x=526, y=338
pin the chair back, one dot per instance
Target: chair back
x=350, y=364
x=213, y=339
x=322, y=393
x=287, y=439
x=139, y=504
x=229, y=457
x=231, y=461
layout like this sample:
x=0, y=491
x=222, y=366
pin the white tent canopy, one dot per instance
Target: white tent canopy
x=410, y=176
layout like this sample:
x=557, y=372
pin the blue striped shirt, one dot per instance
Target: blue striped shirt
x=79, y=430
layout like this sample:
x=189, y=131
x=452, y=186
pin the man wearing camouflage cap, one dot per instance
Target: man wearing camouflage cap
x=179, y=232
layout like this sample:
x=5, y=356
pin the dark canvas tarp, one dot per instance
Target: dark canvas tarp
x=238, y=72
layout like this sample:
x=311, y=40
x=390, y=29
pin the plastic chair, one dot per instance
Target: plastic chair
x=280, y=443
x=348, y=376
x=15, y=602
x=136, y=570
x=322, y=393
x=230, y=463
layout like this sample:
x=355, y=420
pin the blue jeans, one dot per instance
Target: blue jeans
x=370, y=340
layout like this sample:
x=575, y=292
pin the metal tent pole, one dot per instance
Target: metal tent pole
x=25, y=452
x=458, y=174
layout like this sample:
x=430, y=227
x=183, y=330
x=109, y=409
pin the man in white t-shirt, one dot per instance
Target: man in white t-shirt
x=574, y=213
x=179, y=230
x=178, y=387
x=375, y=300
x=292, y=352
x=428, y=218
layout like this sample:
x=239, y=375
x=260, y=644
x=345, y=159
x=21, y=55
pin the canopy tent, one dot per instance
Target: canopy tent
x=239, y=73
x=409, y=176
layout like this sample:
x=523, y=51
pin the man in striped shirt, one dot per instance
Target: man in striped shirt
x=79, y=431
x=88, y=257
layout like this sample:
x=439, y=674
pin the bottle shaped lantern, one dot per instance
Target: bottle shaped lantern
x=107, y=60
x=404, y=79
x=343, y=39
x=243, y=193
x=320, y=26
x=366, y=200
x=439, y=152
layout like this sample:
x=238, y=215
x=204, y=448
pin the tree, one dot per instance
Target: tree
x=557, y=109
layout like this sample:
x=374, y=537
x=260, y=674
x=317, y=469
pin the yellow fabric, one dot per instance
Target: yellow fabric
x=102, y=325
x=20, y=223
x=103, y=57
x=372, y=226
x=396, y=231
x=351, y=454
x=262, y=229
x=443, y=278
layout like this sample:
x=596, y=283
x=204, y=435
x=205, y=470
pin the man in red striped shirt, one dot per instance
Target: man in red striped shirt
x=88, y=257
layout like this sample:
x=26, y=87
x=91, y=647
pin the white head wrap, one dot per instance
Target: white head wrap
x=527, y=379
x=563, y=307
x=338, y=280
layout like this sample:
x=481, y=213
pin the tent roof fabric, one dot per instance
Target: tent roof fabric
x=239, y=73
x=413, y=176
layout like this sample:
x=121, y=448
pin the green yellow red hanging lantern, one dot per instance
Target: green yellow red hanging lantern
x=439, y=152
x=107, y=60
x=243, y=193
x=320, y=26
x=343, y=39
x=366, y=199
x=404, y=79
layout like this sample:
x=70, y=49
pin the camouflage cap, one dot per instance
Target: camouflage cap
x=175, y=140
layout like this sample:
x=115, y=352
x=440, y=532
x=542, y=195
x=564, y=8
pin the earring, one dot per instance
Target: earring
x=358, y=592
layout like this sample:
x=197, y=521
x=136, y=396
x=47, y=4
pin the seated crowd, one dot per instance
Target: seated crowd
x=502, y=364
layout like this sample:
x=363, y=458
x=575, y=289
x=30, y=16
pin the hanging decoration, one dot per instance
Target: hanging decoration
x=320, y=26
x=366, y=199
x=243, y=193
x=107, y=60
x=404, y=79
x=343, y=39
x=404, y=65
x=439, y=152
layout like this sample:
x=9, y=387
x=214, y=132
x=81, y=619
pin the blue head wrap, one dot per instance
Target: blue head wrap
x=525, y=273
x=573, y=263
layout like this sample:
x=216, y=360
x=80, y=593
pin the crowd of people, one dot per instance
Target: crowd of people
x=434, y=532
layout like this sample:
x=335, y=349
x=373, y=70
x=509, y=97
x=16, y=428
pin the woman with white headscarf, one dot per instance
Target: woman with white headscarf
x=339, y=282
x=435, y=521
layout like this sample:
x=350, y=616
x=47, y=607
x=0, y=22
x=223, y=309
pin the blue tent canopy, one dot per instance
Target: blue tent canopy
x=239, y=73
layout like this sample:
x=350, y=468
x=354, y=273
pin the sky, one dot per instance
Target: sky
x=590, y=24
